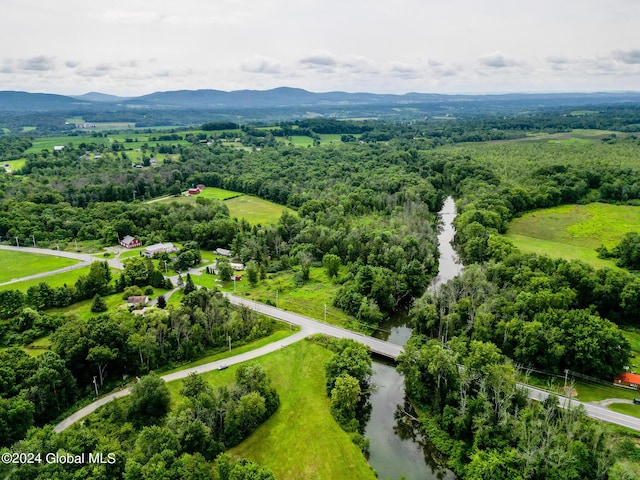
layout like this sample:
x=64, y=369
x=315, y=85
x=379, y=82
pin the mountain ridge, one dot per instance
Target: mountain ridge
x=290, y=97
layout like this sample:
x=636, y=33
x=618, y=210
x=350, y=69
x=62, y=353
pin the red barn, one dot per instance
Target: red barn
x=193, y=191
x=627, y=380
x=130, y=242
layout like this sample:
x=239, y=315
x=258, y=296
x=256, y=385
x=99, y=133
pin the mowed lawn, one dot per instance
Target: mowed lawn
x=56, y=280
x=22, y=264
x=575, y=231
x=301, y=440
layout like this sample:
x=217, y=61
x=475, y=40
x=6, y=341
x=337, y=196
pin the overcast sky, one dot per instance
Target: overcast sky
x=134, y=47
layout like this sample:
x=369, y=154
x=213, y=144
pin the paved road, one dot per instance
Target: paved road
x=594, y=411
x=309, y=326
x=380, y=347
x=243, y=357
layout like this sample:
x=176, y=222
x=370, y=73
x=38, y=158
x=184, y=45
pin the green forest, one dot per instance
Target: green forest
x=365, y=211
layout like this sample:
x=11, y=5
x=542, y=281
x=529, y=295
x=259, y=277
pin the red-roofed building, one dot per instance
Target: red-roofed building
x=193, y=191
x=627, y=380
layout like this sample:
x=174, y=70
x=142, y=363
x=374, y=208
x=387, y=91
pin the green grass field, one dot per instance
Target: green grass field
x=301, y=440
x=22, y=264
x=255, y=210
x=274, y=337
x=633, y=337
x=308, y=299
x=574, y=231
x=626, y=409
x=114, y=302
x=56, y=280
x=14, y=165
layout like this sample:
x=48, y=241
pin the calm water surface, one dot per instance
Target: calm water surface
x=397, y=448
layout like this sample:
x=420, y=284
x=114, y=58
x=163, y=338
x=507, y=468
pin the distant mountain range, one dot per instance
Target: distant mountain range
x=292, y=98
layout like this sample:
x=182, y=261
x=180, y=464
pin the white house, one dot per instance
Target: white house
x=223, y=251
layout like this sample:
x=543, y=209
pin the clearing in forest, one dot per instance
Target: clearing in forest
x=574, y=231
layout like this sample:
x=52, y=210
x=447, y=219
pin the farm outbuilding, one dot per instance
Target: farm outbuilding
x=627, y=380
x=130, y=242
x=151, y=250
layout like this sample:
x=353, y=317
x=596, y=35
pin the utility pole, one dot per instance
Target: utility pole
x=234, y=287
x=229, y=338
x=165, y=266
x=34, y=239
x=76, y=245
x=276, y=298
x=325, y=313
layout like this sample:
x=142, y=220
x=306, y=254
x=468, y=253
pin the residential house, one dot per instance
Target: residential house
x=137, y=300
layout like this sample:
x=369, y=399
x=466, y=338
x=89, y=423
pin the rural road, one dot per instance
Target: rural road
x=594, y=411
x=310, y=326
x=243, y=357
x=84, y=260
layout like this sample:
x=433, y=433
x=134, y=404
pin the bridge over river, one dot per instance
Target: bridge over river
x=387, y=349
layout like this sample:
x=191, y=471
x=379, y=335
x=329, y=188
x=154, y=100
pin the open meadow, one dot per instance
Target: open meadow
x=56, y=280
x=574, y=231
x=301, y=440
x=253, y=209
x=22, y=264
x=308, y=299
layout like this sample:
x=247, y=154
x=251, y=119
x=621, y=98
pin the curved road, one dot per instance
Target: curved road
x=308, y=326
x=243, y=357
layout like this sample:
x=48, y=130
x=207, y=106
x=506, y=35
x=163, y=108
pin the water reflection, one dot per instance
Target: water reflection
x=397, y=448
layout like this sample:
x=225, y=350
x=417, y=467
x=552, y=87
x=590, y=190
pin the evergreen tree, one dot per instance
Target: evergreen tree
x=98, y=304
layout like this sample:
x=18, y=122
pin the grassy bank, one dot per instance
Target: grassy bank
x=301, y=440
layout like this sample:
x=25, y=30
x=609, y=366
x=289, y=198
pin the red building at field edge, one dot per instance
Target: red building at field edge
x=627, y=380
x=130, y=242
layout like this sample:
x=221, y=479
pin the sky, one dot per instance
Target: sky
x=135, y=47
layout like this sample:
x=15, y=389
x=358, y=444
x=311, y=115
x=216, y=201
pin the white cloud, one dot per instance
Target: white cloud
x=498, y=60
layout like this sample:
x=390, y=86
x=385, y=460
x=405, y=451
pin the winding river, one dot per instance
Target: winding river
x=397, y=449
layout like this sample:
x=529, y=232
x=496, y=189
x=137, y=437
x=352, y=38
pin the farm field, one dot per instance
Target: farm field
x=301, y=440
x=21, y=264
x=543, y=150
x=574, y=231
x=253, y=209
x=56, y=280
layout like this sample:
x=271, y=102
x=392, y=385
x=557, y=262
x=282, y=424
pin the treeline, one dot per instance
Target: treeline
x=12, y=148
x=140, y=438
x=474, y=411
x=348, y=373
x=88, y=354
x=550, y=314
